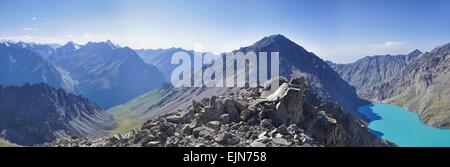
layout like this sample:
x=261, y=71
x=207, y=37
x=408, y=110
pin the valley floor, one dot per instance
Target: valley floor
x=126, y=124
x=4, y=143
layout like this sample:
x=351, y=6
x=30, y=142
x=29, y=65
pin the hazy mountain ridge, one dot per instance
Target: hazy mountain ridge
x=38, y=114
x=20, y=65
x=101, y=71
x=106, y=73
x=161, y=59
x=44, y=50
x=372, y=71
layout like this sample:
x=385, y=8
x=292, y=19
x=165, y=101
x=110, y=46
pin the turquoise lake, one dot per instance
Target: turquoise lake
x=403, y=127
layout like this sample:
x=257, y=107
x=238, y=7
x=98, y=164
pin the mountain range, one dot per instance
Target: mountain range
x=105, y=73
x=161, y=59
x=101, y=71
x=372, y=71
x=417, y=81
x=19, y=65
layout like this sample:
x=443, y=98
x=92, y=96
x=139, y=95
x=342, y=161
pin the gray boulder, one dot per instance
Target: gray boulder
x=231, y=109
x=225, y=118
x=215, y=125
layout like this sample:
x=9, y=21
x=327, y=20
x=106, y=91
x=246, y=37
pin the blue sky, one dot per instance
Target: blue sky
x=337, y=30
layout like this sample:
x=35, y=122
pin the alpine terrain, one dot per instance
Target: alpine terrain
x=38, y=114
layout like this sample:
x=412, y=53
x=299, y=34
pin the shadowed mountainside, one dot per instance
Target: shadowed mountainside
x=423, y=87
x=19, y=65
x=372, y=71
x=106, y=73
x=38, y=114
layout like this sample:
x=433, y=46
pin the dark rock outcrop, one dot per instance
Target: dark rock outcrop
x=38, y=114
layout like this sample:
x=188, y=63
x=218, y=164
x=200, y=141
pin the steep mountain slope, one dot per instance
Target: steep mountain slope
x=372, y=71
x=38, y=114
x=106, y=73
x=20, y=65
x=295, y=61
x=423, y=86
x=246, y=119
x=130, y=115
x=161, y=59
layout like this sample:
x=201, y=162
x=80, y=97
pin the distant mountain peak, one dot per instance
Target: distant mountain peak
x=71, y=45
x=109, y=43
x=277, y=36
x=21, y=44
x=442, y=48
x=273, y=39
x=413, y=55
x=415, y=52
x=4, y=42
x=105, y=44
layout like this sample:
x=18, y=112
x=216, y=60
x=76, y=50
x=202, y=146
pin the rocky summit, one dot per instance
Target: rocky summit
x=291, y=116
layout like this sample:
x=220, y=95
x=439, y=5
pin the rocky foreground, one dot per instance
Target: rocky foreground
x=289, y=117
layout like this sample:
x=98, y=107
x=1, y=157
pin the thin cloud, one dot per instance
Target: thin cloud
x=30, y=29
x=87, y=35
x=31, y=38
x=67, y=34
x=387, y=45
x=99, y=37
x=34, y=18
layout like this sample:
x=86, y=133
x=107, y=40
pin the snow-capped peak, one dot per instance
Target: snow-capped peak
x=76, y=46
x=111, y=44
x=72, y=45
x=4, y=42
